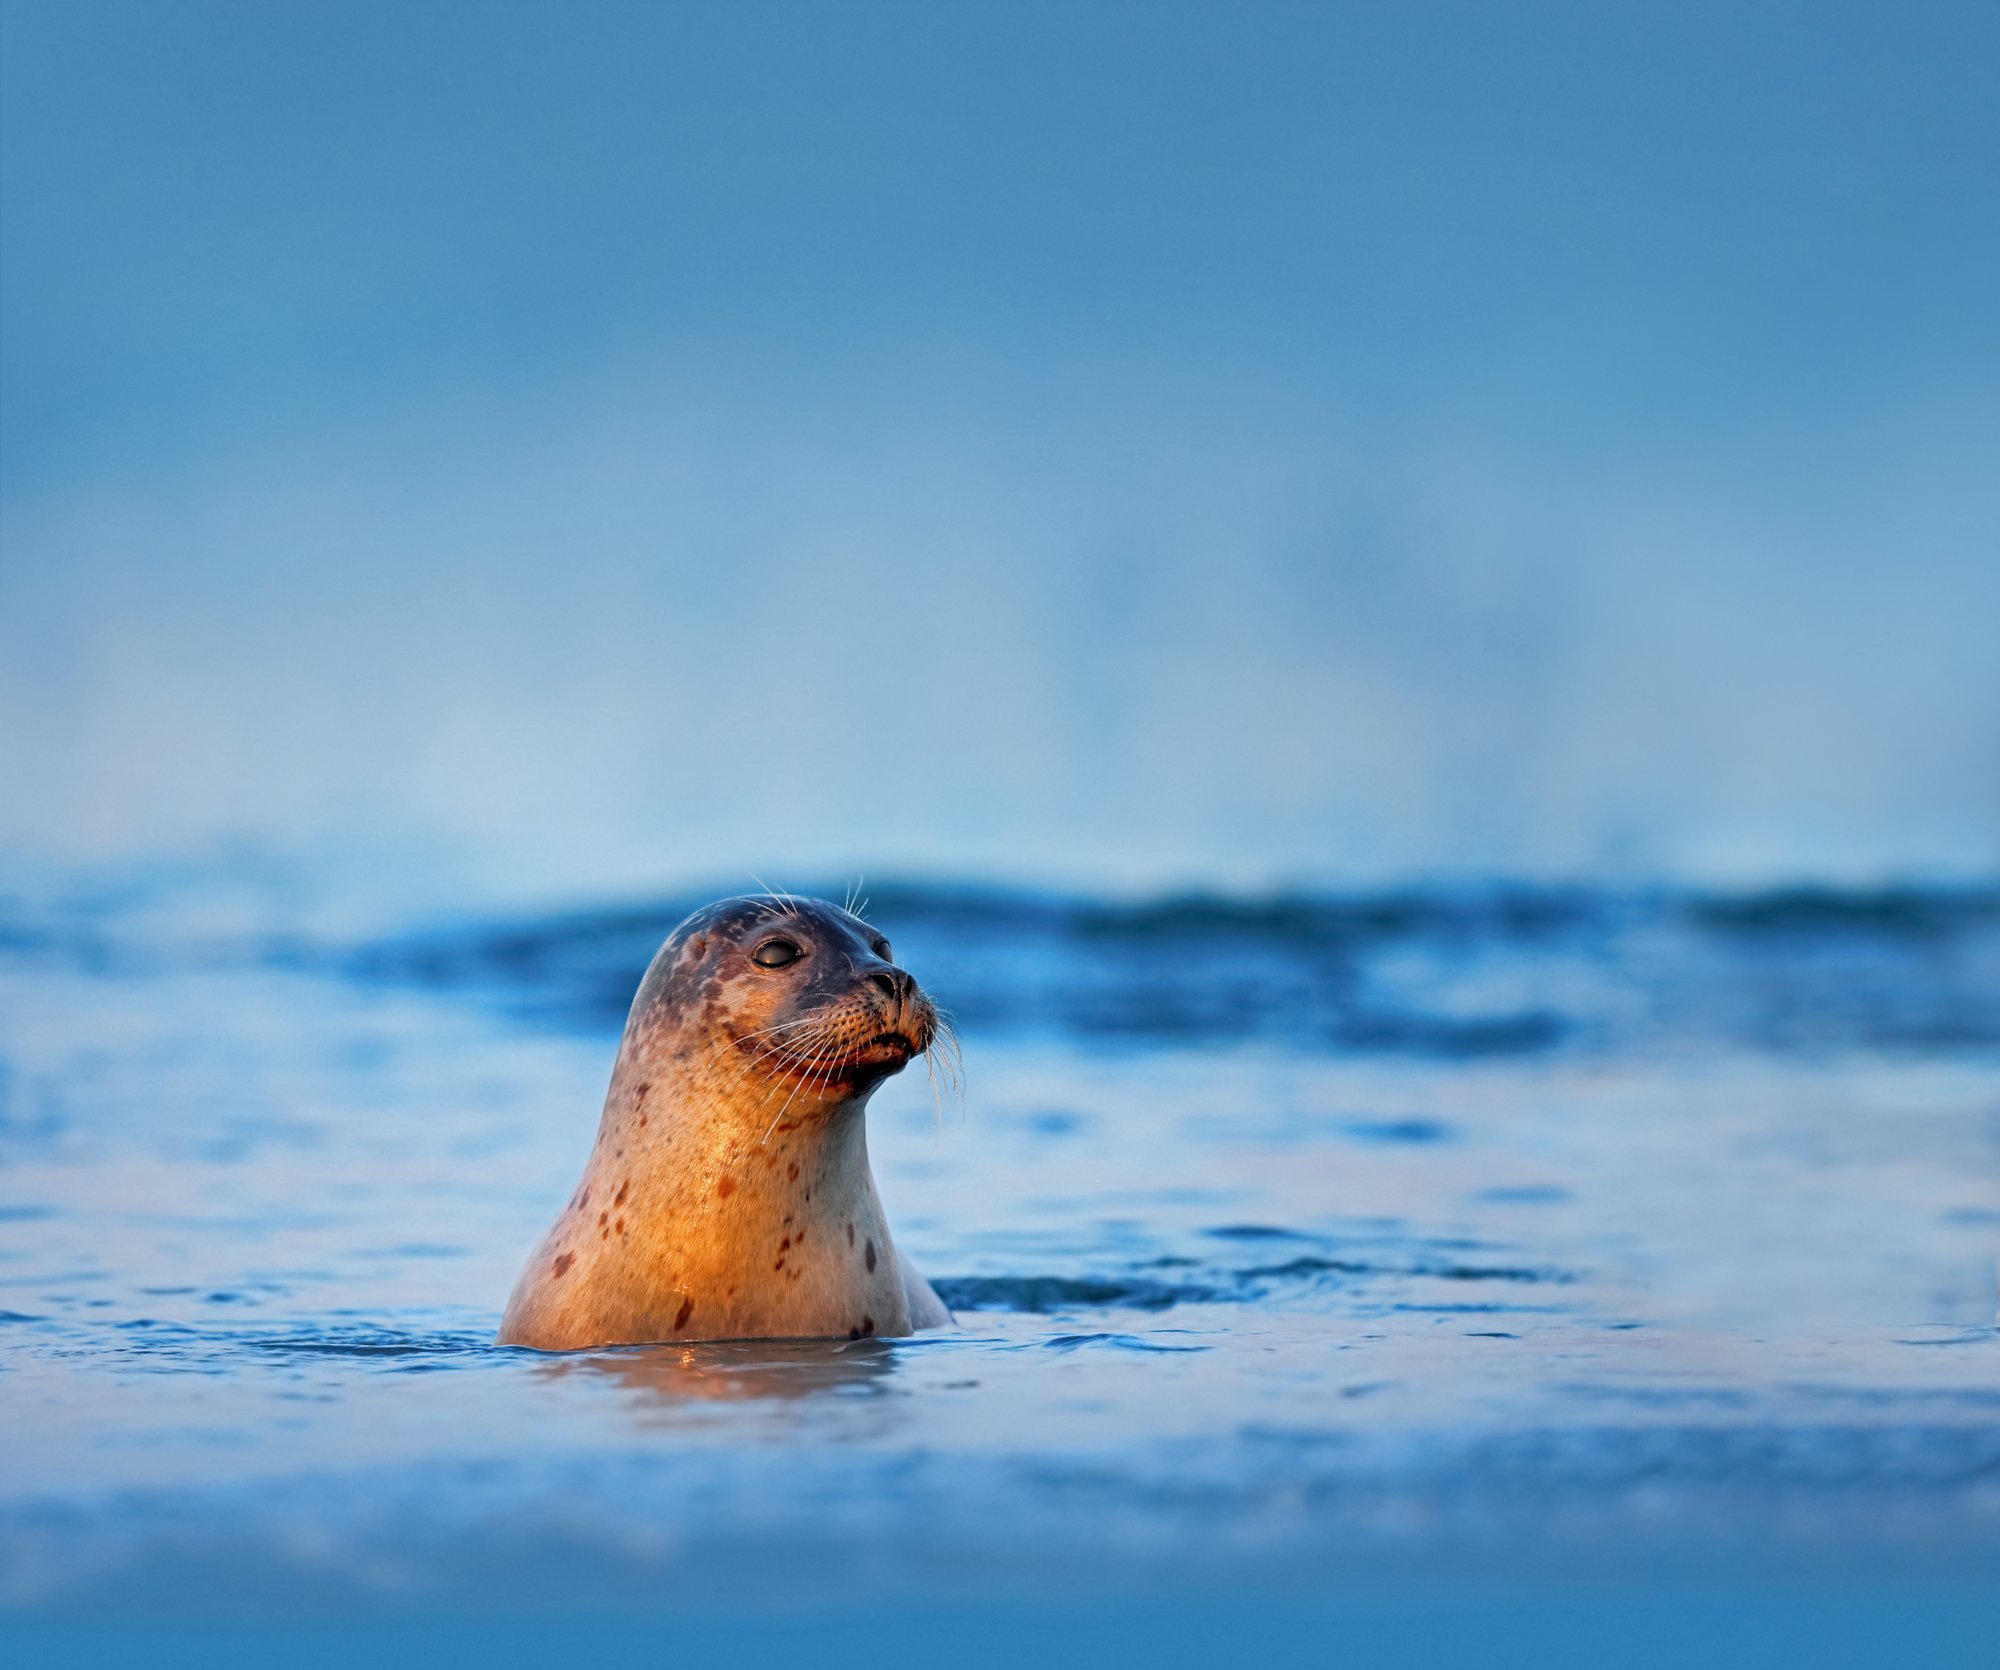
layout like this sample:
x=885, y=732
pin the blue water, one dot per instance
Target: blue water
x=1549, y=1274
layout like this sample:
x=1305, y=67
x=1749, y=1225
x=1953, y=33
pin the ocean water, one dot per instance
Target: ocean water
x=1497, y=1274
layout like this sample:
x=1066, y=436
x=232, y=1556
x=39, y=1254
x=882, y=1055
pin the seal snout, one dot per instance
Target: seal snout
x=893, y=983
x=906, y=1017
x=904, y=1026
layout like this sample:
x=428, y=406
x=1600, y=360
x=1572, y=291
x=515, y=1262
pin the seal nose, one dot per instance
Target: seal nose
x=894, y=984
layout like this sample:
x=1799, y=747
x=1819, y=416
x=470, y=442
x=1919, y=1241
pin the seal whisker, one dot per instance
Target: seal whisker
x=778, y=1118
x=784, y=1050
x=735, y=1041
x=938, y=1054
x=944, y=1039
x=943, y=1065
x=937, y=1101
x=761, y=1059
x=762, y=1032
x=777, y=902
x=827, y=1046
x=756, y=1056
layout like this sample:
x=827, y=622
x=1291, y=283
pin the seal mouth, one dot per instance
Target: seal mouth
x=888, y=1050
x=882, y=1053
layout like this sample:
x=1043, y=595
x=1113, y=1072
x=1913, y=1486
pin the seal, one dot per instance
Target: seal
x=729, y=1194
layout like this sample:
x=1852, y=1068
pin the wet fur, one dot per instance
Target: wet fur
x=729, y=1194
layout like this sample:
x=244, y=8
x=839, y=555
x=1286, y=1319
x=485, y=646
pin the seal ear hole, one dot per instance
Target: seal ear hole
x=777, y=953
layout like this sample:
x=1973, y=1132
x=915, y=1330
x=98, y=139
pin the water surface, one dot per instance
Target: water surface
x=1306, y=1250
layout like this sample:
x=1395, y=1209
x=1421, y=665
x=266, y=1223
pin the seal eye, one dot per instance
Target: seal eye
x=881, y=949
x=776, y=953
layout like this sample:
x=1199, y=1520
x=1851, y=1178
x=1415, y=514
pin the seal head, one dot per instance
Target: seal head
x=729, y=1194
x=803, y=992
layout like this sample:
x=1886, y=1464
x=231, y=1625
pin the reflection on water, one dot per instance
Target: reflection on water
x=1509, y=1230
x=662, y=1379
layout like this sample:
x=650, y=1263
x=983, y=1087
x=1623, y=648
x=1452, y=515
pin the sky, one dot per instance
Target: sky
x=594, y=445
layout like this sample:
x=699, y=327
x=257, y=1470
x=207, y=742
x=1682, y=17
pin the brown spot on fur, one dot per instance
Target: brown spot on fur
x=622, y=1187
x=785, y=1245
x=726, y=1187
x=642, y=1121
x=850, y=1235
x=681, y=1316
x=639, y=1090
x=619, y=1226
x=779, y=1265
x=792, y=1171
x=562, y=1264
x=868, y=1324
x=871, y=1257
x=603, y=1218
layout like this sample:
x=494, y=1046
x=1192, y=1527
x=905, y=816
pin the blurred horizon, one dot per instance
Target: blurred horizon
x=573, y=451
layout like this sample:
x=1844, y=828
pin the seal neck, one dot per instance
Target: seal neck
x=726, y=1173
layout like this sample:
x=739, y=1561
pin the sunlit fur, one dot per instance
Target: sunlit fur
x=729, y=1194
